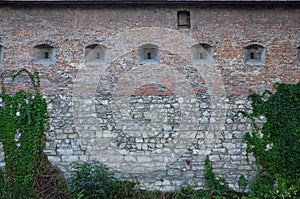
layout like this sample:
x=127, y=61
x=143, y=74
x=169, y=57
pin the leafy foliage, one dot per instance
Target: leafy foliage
x=90, y=180
x=123, y=189
x=24, y=120
x=276, y=146
x=130, y=189
x=187, y=192
x=214, y=184
x=242, y=183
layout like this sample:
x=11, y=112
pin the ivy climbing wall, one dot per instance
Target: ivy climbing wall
x=126, y=86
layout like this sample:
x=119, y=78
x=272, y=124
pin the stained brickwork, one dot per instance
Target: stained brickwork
x=156, y=120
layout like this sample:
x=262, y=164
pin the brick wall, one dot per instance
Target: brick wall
x=156, y=120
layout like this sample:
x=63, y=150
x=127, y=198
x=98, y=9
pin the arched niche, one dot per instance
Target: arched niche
x=148, y=54
x=95, y=54
x=202, y=54
x=255, y=54
x=44, y=54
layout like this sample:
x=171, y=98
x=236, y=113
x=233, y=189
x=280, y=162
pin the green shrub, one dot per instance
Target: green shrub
x=130, y=190
x=90, y=180
x=187, y=192
x=5, y=190
x=123, y=189
x=155, y=194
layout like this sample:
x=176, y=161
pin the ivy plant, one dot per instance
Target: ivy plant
x=24, y=120
x=275, y=144
x=216, y=186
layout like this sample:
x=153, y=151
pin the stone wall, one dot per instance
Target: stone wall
x=156, y=119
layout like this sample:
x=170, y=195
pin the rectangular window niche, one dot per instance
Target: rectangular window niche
x=44, y=54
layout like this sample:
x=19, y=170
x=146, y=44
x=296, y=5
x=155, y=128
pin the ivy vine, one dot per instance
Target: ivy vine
x=276, y=145
x=24, y=120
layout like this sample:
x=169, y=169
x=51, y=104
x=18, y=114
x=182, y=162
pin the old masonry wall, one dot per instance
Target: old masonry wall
x=151, y=91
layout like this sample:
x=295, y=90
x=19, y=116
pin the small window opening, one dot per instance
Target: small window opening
x=43, y=54
x=46, y=55
x=183, y=19
x=98, y=56
x=202, y=54
x=148, y=54
x=254, y=55
x=95, y=54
